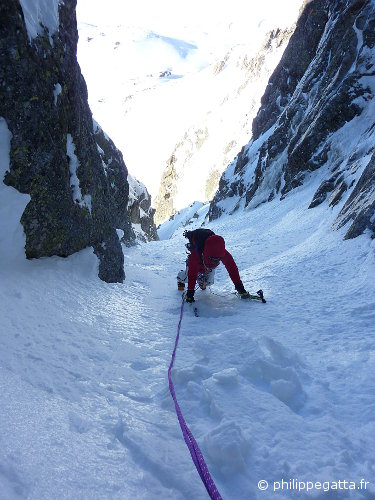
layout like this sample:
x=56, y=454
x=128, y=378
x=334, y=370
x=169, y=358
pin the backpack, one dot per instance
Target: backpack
x=197, y=239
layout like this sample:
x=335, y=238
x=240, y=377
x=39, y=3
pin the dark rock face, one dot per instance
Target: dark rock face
x=116, y=176
x=359, y=209
x=78, y=196
x=293, y=64
x=319, y=87
x=141, y=214
x=167, y=191
x=134, y=208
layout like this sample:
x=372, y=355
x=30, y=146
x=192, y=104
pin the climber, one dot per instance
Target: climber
x=207, y=250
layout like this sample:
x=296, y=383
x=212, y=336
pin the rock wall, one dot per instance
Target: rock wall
x=317, y=113
x=141, y=214
x=76, y=177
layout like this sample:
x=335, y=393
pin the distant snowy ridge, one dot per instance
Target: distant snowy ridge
x=172, y=74
x=316, y=118
x=235, y=84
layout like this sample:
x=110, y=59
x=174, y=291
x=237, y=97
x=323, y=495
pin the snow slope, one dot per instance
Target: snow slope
x=190, y=218
x=274, y=391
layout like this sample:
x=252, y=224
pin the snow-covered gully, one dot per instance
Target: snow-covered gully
x=275, y=392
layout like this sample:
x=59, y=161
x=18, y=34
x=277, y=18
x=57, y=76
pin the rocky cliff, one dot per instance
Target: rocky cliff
x=140, y=211
x=317, y=114
x=138, y=224
x=76, y=177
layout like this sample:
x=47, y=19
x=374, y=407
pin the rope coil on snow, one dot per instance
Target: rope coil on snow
x=195, y=452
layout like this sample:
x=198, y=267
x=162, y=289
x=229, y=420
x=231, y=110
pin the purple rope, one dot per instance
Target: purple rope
x=195, y=452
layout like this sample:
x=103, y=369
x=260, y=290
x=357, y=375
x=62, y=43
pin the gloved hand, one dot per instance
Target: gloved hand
x=190, y=296
x=241, y=291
